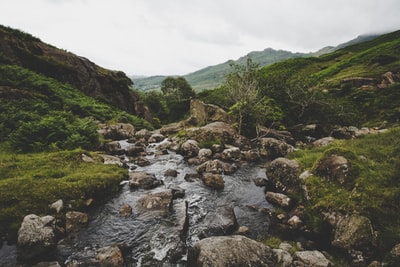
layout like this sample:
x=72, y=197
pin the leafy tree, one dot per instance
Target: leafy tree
x=177, y=88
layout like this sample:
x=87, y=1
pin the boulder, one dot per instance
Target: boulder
x=251, y=155
x=205, y=154
x=189, y=149
x=213, y=180
x=274, y=148
x=36, y=237
x=283, y=257
x=118, y=131
x=86, y=158
x=47, y=264
x=295, y=222
x=172, y=128
x=214, y=131
x=335, y=168
x=202, y=113
x=354, y=232
x=155, y=204
x=143, y=133
x=216, y=166
x=221, y=221
x=278, y=198
x=323, y=141
x=141, y=161
x=279, y=135
x=283, y=173
x=125, y=210
x=75, y=220
x=107, y=159
x=232, y=251
x=156, y=138
x=134, y=150
x=171, y=172
x=110, y=256
x=57, y=206
x=344, y=132
x=395, y=252
x=232, y=154
x=143, y=180
x=311, y=259
x=113, y=148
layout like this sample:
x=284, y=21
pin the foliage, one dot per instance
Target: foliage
x=375, y=193
x=177, y=88
x=30, y=182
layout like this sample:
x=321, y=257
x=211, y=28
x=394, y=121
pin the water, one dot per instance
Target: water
x=157, y=241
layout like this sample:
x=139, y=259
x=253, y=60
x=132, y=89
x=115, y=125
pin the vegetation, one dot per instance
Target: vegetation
x=30, y=182
x=373, y=187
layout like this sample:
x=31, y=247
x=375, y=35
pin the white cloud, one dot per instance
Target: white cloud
x=179, y=36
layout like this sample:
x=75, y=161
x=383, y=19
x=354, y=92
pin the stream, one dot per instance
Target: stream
x=149, y=240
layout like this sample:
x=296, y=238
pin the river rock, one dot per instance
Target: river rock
x=125, y=210
x=335, y=168
x=285, y=136
x=171, y=172
x=36, y=237
x=283, y=173
x=118, y=131
x=189, y=149
x=278, y=198
x=108, y=159
x=323, y=141
x=156, y=138
x=155, y=204
x=47, y=264
x=213, y=180
x=143, y=180
x=110, y=256
x=295, y=222
x=232, y=154
x=74, y=220
x=251, y=155
x=354, y=232
x=205, y=154
x=216, y=166
x=221, y=221
x=232, y=251
x=134, y=150
x=141, y=161
x=113, y=148
x=283, y=258
x=214, y=131
x=57, y=206
x=274, y=148
x=311, y=259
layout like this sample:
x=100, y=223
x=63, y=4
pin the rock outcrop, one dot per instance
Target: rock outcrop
x=202, y=113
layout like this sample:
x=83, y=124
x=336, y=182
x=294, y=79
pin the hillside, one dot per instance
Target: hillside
x=212, y=76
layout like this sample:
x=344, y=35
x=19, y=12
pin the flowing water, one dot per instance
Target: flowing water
x=150, y=241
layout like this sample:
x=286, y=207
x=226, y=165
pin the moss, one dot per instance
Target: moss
x=30, y=182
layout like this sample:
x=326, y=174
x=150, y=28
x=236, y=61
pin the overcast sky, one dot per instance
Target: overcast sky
x=149, y=37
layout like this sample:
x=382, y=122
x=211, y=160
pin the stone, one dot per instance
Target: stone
x=232, y=251
x=118, y=131
x=113, y=148
x=395, y=252
x=221, y=221
x=273, y=148
x=354, y=232
x=205, y=153
x=279, y=135
x=283, y=173
x=191, y=177
x=323, y=141
x=202, y=113
x=143, y=180
x=285, y=246
x=278, y=198
x=47, y=264
x=335, y=168
x=232, y=154
x=312, y=258
x=133, y=150
x=171, y=172
x=221, y=131
x=375, y=264
x=75, y=220
x=295, y=222
x=110, y=256
x=156, y=138
x=283, y=257
x=252, y=155
x=57, y=206
x=213, y=180
x=155, y=204
x=189, y=149
x=216, y=166
x=108, y=159
x=125, y=210
x=87, y=159
x=142, y=161
x=36, y=237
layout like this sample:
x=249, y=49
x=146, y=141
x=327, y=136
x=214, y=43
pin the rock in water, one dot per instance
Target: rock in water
x=232, y=251
x=36, y=237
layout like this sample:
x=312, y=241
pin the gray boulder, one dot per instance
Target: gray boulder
x=75, y=220
x=213, y=180
x=221, y=221
x=283, y=173
x=283, y=257
x=189, y=149
x=311, y=259
x=279, y=199
x=143, y=180
x=230, y=251
x=274, y=148
x=156, y=138
x=36, y=237
x=232, y=154
x=155, y=204
x=110, y=256
x=216, y=166
x=118, y=131
x=202, y=113
x=335, y=168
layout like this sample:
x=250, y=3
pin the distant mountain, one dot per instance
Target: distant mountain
x=213, y=76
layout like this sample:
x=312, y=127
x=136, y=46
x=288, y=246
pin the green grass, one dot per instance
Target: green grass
x=375, y=191
x=30, y=182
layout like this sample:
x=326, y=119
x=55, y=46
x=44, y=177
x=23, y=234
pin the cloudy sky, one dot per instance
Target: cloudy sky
x=149, y=37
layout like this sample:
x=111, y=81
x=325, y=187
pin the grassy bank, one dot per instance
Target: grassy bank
x=30, y=182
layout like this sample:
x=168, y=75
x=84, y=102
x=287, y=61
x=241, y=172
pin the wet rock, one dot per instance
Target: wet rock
x=354, y=232
x=155, y=204
x=191, y=177
x=125, y=210
x=36, y=237
x=278, y=198
x=134, y=150
x=189, y=149
x=232, y=251
x=57, y=206
x=110, y=256
x=221, y=221
x=113, y=148
x=283, y=257
x=143, y=180
x=273, y=148
x=323, y=141
x=221, y=131
x=143, y=133
x=171, y=172
x=232, y=154
x=156, y=138
x=205, y=154
x=107, y=159
x=177, y=192
x=283, y=173
x=213, y=180
x=118, y=131
x=75, y=220
x=252, y=155
x=335, y=168
x=311, y=258
x=216, y=166
x=141, y=161
x=259, y=181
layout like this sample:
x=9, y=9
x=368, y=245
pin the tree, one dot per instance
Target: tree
x=177, y=88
